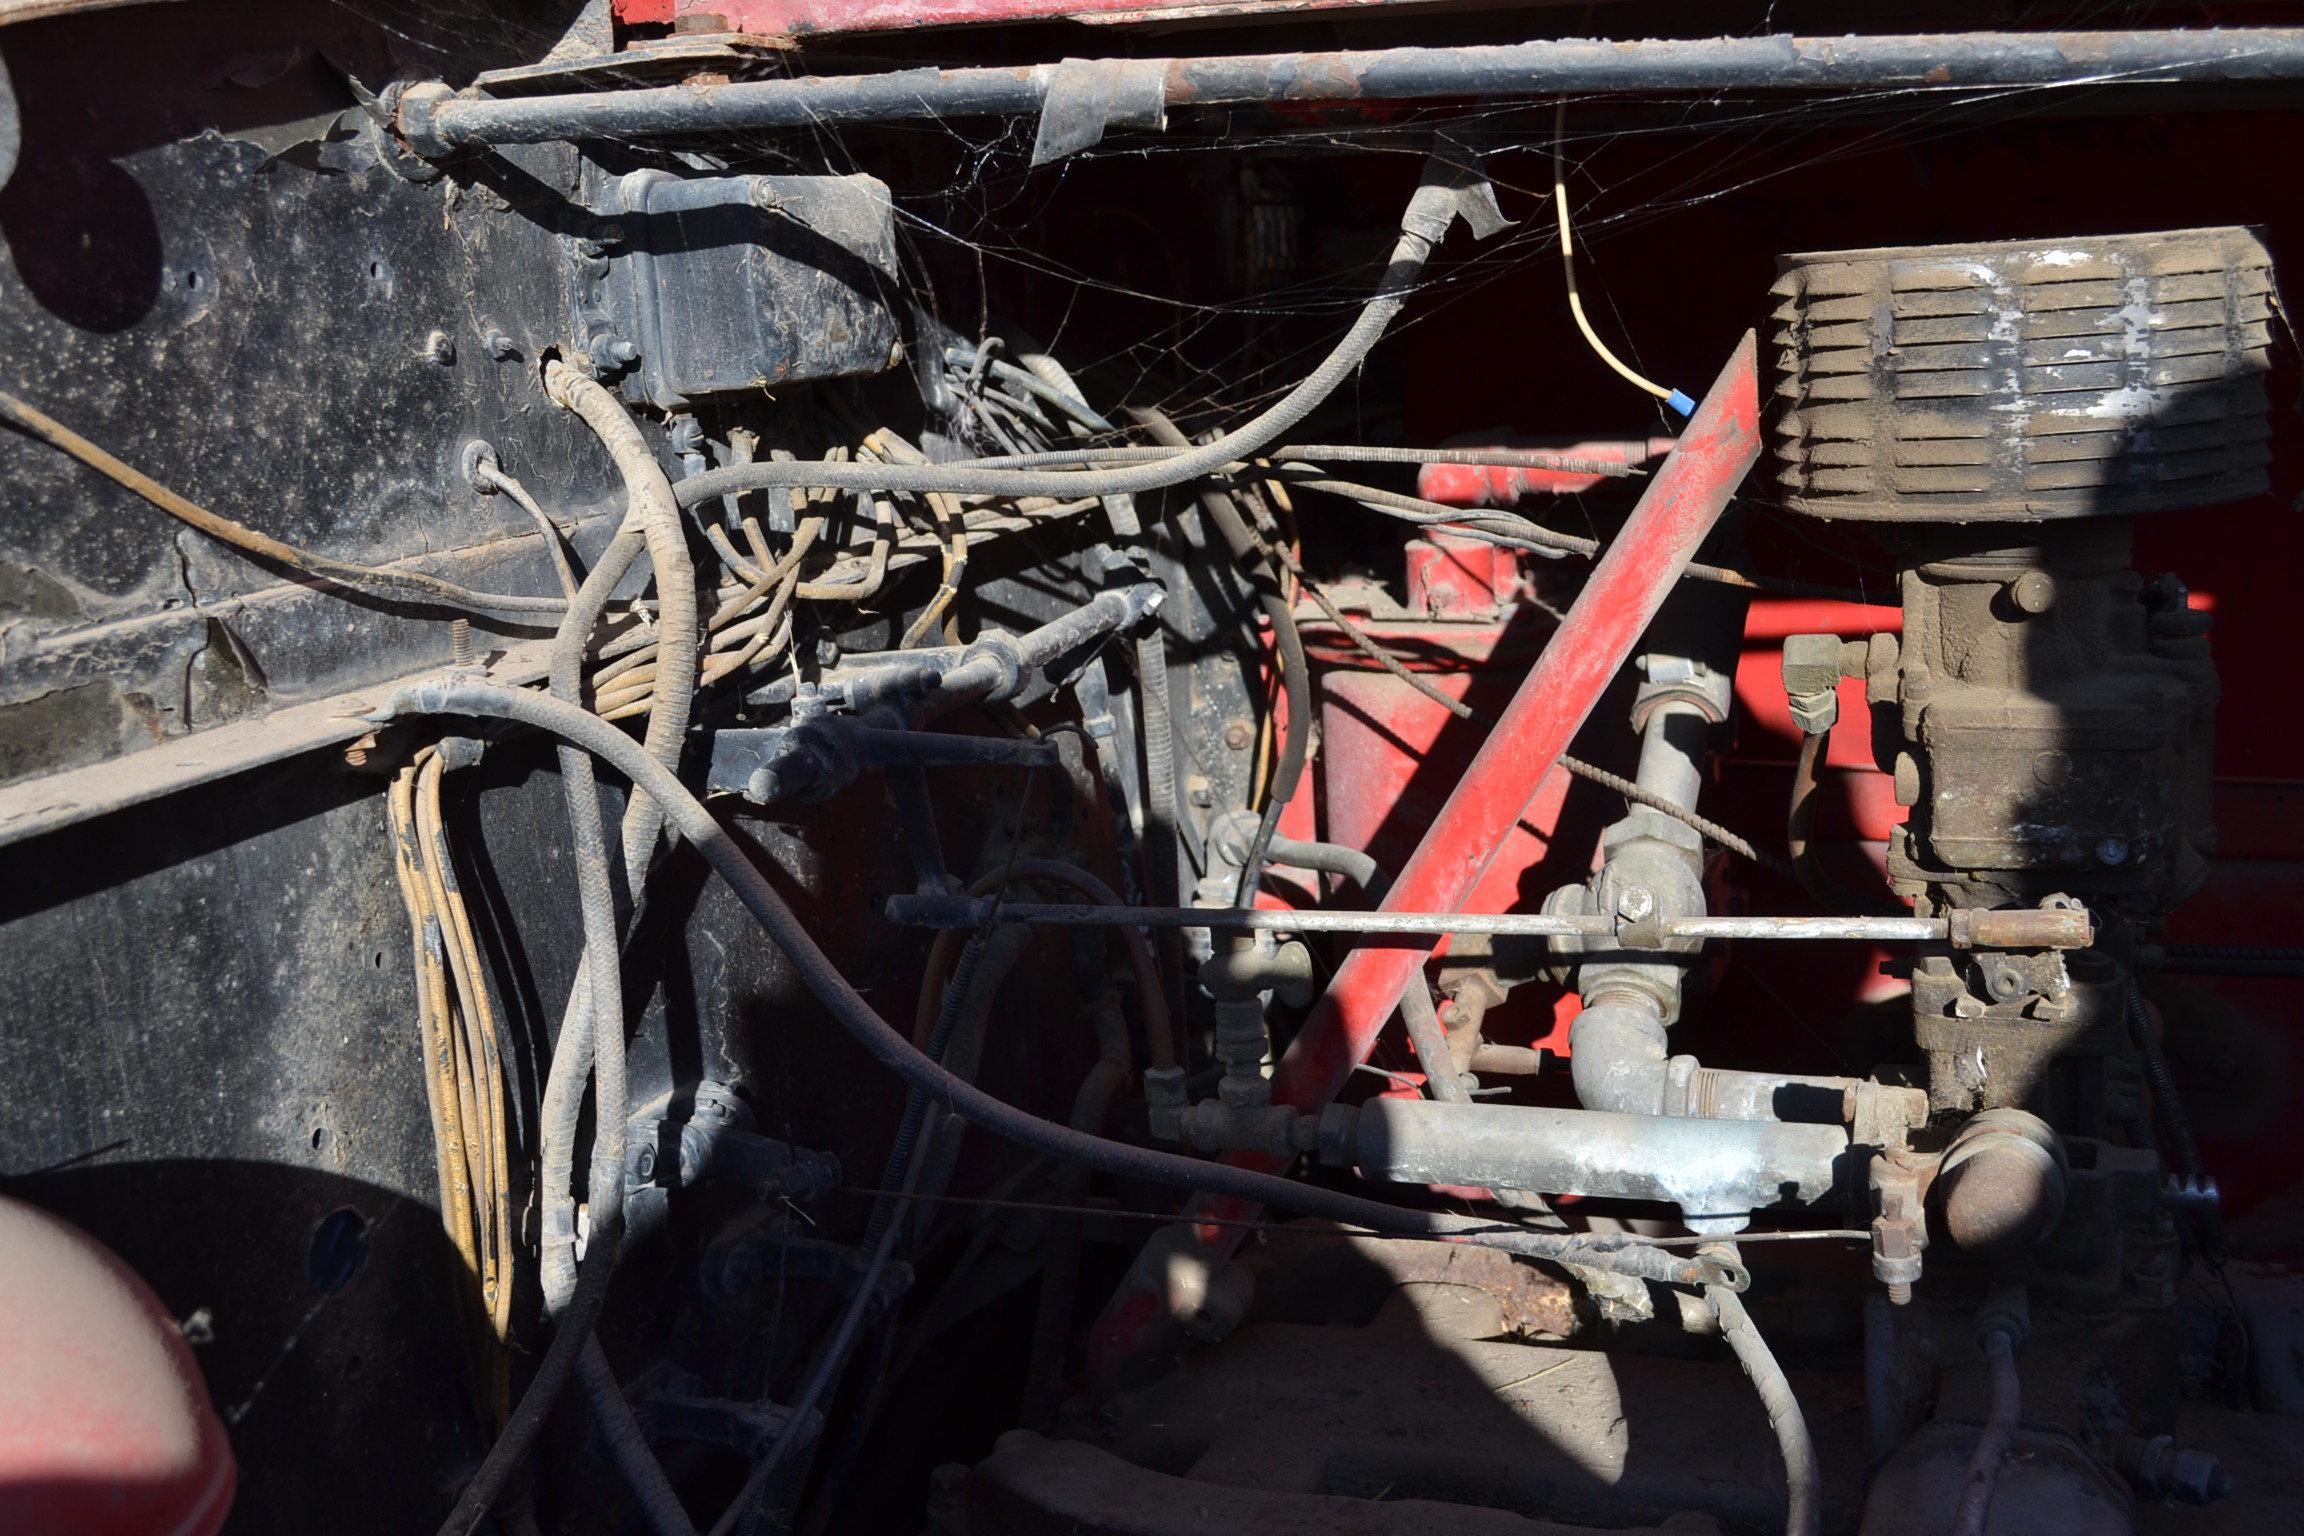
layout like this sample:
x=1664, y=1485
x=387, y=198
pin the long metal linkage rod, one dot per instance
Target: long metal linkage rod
x=436, y=122
x=1679, y=507
x=2021, y=929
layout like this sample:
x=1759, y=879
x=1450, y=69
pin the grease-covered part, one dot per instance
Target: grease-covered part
x=2024, y=380
x=2002, y=1184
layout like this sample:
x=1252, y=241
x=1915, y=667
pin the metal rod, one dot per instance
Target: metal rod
x=1676, y=511
x=972, y=912
x=436, y=122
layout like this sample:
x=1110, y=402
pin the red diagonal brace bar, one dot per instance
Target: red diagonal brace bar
x=1681, y=504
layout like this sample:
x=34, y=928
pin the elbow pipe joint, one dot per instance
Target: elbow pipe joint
x=1243, y=973
x=1617, y=1057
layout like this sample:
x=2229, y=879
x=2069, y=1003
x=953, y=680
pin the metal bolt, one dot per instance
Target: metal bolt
x=1900, y=1293
x=1238, y=735
x=1635, y=903
x=646, y=1166
x=500, y=346
x=2033, y=592
x=617, y=351
x=2112, y=850
x=2003, y=982
x=460, y=642
x=440, y=348
x=2200, y=1478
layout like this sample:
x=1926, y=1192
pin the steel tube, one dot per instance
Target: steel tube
x=435, y=122
x=1675, y=512
x=975, y=912
x=1713, y=1170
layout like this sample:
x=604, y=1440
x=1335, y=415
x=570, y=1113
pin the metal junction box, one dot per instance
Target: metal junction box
x=720, y=284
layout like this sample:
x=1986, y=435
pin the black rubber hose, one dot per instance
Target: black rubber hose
x=628, y=1446
x=1333, y=859
x=1400, y=275
x=1163, y=858
x=457, y=696
x=1255, y=561
x=829, y=1364
x=1800, y=836
x=2231, y=960
x=596, y=898
x=1983, y=1475
x=948, y=1010
x=2178, y=1124
x=964, y=1054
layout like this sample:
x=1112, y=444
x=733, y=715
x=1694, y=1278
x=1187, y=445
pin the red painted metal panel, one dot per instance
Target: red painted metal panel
x=105, y=1426
x=1500, y=485
x=1594, y=640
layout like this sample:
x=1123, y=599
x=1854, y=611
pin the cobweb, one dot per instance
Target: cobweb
x=968, y=200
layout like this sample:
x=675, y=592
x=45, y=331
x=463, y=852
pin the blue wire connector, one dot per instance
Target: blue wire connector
x=1678, y=401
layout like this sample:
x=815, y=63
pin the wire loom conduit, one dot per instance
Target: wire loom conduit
x=1803, y=1482
x=1435, y=205
x=408, y=586
x=652, y=522
x=1253, y=555
x=455, y=696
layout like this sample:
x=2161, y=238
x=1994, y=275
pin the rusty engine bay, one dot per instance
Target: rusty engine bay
x=1014, y=766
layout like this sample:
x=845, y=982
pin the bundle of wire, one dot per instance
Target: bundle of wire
x=463, y=1076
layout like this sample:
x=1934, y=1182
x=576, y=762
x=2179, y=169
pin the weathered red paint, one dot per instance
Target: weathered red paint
x=1500, y=485
x=105, y=1426
x=1454, y=577
x=1594, y=640
x=820, y=17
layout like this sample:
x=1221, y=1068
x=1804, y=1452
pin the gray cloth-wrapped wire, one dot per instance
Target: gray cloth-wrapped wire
x=1401, y=272
x=1803, y=1483
x=458, y=696
x=1975, y=1509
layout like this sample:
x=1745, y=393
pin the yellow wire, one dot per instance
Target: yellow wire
x=1568, y=263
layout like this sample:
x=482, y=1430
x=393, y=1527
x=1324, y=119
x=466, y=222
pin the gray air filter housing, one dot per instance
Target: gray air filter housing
x=2024, y=381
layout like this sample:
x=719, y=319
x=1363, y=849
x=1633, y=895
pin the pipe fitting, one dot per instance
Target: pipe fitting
x=2157, y=1468
x=1244, y=973
x=414, y=111
x=1616, y=1053
x=1716, y=1171
x=2001, y=1185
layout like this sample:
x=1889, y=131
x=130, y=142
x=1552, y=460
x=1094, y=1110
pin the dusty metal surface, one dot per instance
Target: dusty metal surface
x=438, y=124
x=2094, y=376
x=832, y=18
x=1064, y=1488
x=1430, y=1400
x=61, y=799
